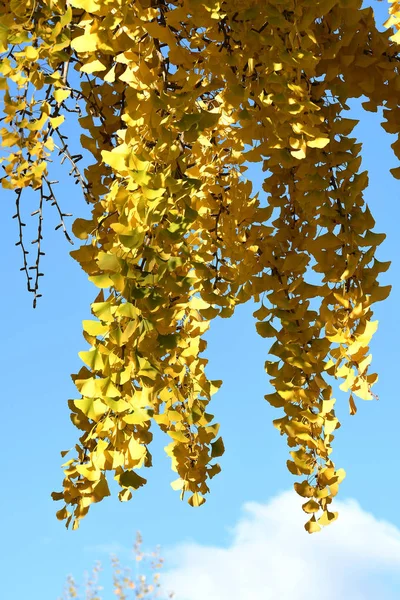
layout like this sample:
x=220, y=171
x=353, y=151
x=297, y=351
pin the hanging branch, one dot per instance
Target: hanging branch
x=73, y=159
x=39, y=252
x=52, y=198
x=20, y=242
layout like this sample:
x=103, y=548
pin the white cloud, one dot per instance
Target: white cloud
x=271, y=557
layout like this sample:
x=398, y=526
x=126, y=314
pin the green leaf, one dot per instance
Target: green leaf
x=108, y=262
x=265, y=329
x=92, y=358
x=101, y=281
x=138, y=417
x=102, y=310
x=217, y=448
x=127, y=309
x=179, y=436
x=131, y=479
x=94, y=327
x=133, y=240
x=81, y=228
x=93, y=408
x=168, y=342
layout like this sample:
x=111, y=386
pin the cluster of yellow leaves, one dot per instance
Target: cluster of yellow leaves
x=394, y=19
x=176, y=98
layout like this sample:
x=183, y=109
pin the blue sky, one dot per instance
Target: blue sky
x=40, y=351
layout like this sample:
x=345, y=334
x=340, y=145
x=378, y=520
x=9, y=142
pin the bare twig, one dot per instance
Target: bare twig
x=20, y=242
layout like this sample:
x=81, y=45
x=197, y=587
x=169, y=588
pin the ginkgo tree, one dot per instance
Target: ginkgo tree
x=175, y=99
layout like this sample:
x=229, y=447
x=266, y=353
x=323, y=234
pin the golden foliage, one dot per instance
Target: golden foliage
x=175, y=98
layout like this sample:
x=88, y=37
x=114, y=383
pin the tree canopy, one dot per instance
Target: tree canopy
x=175, y=99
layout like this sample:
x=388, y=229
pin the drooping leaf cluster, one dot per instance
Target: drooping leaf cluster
x=174, y=100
